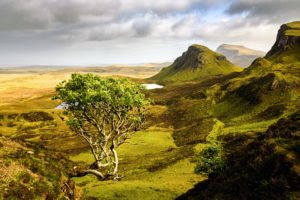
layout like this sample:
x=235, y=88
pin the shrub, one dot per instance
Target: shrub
x=211, y=161
x=37, y=116
x=11, y=124
x=24, y=177
x=18, y=191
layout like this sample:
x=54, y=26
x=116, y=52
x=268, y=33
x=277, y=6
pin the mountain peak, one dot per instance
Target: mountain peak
x=196, y=63
x=198, y=47
x=288, y=38
x=198, y=56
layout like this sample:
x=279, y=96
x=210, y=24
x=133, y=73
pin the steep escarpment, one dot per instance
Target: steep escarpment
x=288, y=38
x=197, y=63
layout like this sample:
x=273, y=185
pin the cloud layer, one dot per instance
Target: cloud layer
x=114, y=31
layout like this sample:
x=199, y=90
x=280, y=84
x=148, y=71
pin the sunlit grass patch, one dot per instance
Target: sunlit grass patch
x=164, y=184
x=142, y=143
x=248, y=127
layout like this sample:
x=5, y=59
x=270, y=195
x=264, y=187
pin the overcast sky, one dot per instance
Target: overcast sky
x=85, y=32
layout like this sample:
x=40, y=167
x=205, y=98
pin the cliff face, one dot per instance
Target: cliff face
x=288, y=38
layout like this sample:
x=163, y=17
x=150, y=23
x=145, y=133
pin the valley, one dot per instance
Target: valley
x=246, y=120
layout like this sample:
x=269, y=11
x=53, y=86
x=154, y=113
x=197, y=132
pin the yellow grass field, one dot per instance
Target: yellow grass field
x=17, y=87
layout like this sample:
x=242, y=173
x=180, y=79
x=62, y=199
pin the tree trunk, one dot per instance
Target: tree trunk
x=82, y=173
x=116, y=162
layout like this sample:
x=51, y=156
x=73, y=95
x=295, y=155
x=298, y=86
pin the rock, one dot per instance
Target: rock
x=30, y=152
x=288, y=38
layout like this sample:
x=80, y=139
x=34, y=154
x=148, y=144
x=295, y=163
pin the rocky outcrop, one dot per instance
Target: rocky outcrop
x=196, y=57
x=288, y=37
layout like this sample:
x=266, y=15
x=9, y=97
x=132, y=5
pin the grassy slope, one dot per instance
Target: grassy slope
x=30, y=172
x=142, y=151
x=246, y=107
x=294, y=29
x=149, y=157
x=197, y=65
x=183, y=111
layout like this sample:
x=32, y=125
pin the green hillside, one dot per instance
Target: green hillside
x=259, y=112
x=197, y=63
x=217, y=133
x=270, y=81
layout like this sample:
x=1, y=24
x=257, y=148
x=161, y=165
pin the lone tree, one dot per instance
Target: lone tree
x=104, y=111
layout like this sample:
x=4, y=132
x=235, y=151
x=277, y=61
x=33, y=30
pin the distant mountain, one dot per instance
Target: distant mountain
x=239, y=55
x=198, y=62
x=137, y=70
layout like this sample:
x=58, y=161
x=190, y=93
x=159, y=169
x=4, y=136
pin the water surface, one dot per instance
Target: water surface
x=151, y=86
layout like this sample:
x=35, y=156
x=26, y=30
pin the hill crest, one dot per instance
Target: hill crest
x=288, y=38
x=198, y=62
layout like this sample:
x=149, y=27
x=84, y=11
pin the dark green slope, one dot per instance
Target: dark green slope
x=197, y=63
x=266, y=168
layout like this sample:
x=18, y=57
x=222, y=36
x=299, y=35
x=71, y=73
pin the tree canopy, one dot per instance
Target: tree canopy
x=104, y=111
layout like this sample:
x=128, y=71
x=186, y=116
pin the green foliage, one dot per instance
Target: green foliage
x=24, y=177
x=89, y=93
x=211, y=160
x=103, y=112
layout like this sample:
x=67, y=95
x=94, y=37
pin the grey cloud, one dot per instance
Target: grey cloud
x=79, y=25
x=142, y=27
x=45, y=14
x=22, y=15
x=95, y=20
x=109, y=32
x=267, y=11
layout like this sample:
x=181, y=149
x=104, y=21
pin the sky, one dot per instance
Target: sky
x=94, y=32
